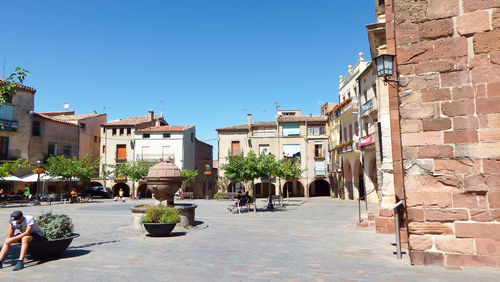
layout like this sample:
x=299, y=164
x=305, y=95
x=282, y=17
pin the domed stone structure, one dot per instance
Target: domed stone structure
x=163, y=180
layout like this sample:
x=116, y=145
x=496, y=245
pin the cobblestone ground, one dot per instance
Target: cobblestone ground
x=307, y=240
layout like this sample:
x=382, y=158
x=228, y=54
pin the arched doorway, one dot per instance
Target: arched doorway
x=319, y=187
x=143, y=191
x=293, y=189
x=348, y=181
x=122, y=185
x=95, y=183
x=262, y=189
x=236, y=186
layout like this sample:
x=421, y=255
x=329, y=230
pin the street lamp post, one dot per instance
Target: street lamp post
x=207, y=172
x=36, y=202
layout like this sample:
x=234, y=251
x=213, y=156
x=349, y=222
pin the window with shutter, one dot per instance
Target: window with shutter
x=121, y=152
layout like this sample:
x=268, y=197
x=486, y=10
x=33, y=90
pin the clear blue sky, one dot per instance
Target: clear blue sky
x=208, y=60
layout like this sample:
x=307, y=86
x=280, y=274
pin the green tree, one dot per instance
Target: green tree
x=8, y=87
x=68, y=168
x=8, y=168
x=60, y=166
x=133, y=170
x=233, y=168
x=86, y=168
x=267, y=167
x=189, y=174
x=250, y=172
x=288, y=169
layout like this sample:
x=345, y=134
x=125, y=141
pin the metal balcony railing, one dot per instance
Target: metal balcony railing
x=155, y=157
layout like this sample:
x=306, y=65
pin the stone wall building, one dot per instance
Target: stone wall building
x=90, y=130
x=445, y=114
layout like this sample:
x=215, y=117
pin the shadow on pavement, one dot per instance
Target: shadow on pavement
x=172, y=234
x=93, y=244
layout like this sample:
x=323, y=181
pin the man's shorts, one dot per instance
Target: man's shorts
x=37, y=237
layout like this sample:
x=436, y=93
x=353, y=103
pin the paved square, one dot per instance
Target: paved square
x=309, y=239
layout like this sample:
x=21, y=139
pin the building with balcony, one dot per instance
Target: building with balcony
x=370, y=133
x=177, y=144
x=347, y=115
x=118, y=146
x=291, y=135
x=52, y=137
x=376, y=107
x=16, y=121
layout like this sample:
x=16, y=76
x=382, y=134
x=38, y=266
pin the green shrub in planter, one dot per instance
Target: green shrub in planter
x=55, y=226
x=161, y=214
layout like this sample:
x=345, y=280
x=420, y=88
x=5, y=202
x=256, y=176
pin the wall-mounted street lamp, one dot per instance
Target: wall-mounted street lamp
x=385, y=67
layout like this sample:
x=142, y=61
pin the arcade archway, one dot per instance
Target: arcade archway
x=116, y=189
x=319, y=187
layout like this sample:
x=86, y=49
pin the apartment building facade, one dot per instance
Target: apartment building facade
x=90, y=130
x=118, y=146
x=177, y=144
x=291, y=135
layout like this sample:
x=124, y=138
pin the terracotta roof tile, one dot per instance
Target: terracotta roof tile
x=301, y=118
x=130, y=121
x=39, y=115
x=76, y=117
x=234, y=128
x=24, y=87
x=166, y=128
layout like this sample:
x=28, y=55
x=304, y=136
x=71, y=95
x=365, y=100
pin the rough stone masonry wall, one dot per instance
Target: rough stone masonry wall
x=448, y=51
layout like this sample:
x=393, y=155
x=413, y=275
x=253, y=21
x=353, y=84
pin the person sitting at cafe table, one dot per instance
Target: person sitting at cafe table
x=74, y=195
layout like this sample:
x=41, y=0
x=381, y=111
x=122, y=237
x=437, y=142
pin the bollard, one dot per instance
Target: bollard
x=396, y=226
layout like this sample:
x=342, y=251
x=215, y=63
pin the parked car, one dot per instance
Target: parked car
x=99, y=191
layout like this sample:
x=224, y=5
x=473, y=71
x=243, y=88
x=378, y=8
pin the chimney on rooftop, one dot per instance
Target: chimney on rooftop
x=151, y=115
x=249, y=119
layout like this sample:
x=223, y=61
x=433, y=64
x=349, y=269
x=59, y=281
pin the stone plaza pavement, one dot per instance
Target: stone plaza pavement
x=313, y=239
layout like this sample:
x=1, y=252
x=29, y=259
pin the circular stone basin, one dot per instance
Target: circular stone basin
x=186, y=212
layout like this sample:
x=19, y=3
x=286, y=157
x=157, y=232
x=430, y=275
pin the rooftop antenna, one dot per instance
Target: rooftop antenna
x=104, y=109
x=320, y=103
x=265, y=114
x=162, y=107
x=65, y=105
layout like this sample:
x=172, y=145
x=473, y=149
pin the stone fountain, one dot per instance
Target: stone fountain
x=163, y=180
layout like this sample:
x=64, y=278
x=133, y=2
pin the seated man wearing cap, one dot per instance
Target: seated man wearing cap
x=29, y=231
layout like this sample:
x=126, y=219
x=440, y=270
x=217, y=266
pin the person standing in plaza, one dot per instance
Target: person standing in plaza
x=27, y=193
x=121, y=195
x=29, y=231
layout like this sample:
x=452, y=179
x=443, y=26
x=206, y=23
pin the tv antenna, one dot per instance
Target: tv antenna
x=162, y=107
x=65, y=105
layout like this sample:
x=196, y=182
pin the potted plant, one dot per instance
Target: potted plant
x=58, y=230
x=160, y=220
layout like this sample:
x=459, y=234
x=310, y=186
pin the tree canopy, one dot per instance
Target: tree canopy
x=133, y=170
x=8, y=87
x=189, y=174
x=8, y=168
x=67, y=168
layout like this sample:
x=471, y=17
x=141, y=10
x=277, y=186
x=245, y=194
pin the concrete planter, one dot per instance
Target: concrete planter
x=159, y=229
x=52, y=248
